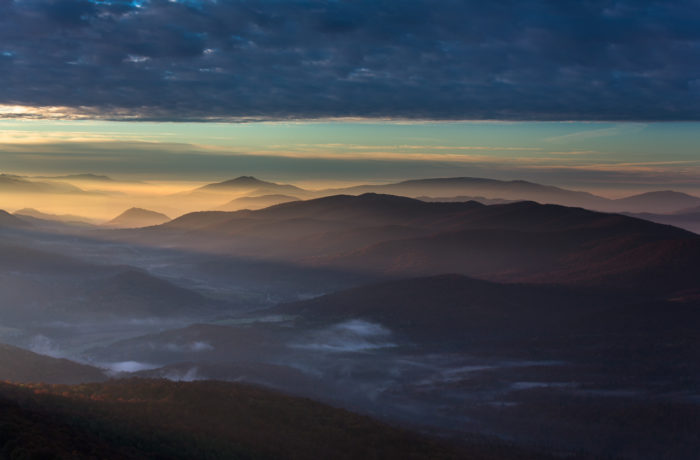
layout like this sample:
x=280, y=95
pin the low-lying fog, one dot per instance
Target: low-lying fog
x=166, y=312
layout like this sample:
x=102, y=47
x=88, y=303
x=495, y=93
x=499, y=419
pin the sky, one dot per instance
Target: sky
x=591, y=94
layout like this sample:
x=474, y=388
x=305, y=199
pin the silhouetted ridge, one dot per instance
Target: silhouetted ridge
x=7, y=220
x=158, y=419
x=365, y=208
x=249, y=183
x=256, y=202
x=665, y=202
x=138, y=217
x=17, y=184
x=23, y=366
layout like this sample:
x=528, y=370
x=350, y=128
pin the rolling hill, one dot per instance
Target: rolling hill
x=250, y=186
x=136, y=218
x=660, y=202
x=255, y=202
x=142, y=419
x=398, y=236
x=23, y=366
x=16, y=184
x=472, y=186
x=688, y=220
x=65, y=218
x=7, y=220
x=518, y=190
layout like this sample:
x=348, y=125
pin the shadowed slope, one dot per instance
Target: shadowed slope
x=22, y=366
x=215, y=420
x=137, y=217
x=398, y=236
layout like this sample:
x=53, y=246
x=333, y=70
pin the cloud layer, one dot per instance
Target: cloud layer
x=280, y=59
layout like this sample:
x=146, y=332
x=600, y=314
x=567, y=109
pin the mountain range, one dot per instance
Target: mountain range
x=397, y=236
x=479, y=189
x=17, y=184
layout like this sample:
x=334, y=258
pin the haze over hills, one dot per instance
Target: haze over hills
x=688, y=219
x=472, y=186
x=136, y=218
x=23, y=366
x=350, y=230
x=455, y=315
x=80, y=177
x=251, y=186
x=7, y=220
x=519, y=190
x=16, y=184
x=67, y=218
x=400, y=236
x=489, y=191
x=255, y=202
x=690, y=210
x=466, y=355
x=661, y=202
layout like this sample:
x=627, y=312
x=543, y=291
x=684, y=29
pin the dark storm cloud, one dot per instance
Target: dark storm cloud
x=547, y=60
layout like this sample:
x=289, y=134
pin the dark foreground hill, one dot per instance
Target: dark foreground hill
x=158, y=419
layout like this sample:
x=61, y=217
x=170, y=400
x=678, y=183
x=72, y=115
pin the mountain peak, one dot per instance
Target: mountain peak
x=246, y=179
x=138, y=217
x=250, y=184
x=239, y=182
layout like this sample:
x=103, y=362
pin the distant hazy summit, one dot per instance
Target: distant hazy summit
x=136, y=218
x=16, y=184
x=256, y=202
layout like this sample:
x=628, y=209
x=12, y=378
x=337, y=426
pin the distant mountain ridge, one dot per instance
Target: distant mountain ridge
x=520, y=190
x=487, y=190
x=251, y=186
x=68, y=218
x=399, y=236
x=16, y=184
x=661, y=202
x=256, y=202
x=8, y=220
x=137, y=217
x=83, y=177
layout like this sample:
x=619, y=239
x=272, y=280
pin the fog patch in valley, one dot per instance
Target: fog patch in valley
x=350, y=336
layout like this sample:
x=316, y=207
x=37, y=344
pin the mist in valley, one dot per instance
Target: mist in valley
x=451, y=317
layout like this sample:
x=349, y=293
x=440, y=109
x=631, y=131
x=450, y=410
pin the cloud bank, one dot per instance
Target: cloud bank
x=305, y=59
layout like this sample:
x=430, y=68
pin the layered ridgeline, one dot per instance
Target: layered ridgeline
x=520, y=190
x=43, y=286
x=398, y=236
x=12, y=184
x=688, y=218
x=9, y=221
x=256, y=202
x=34, y=214
x=464, y=355
x=465, y=189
